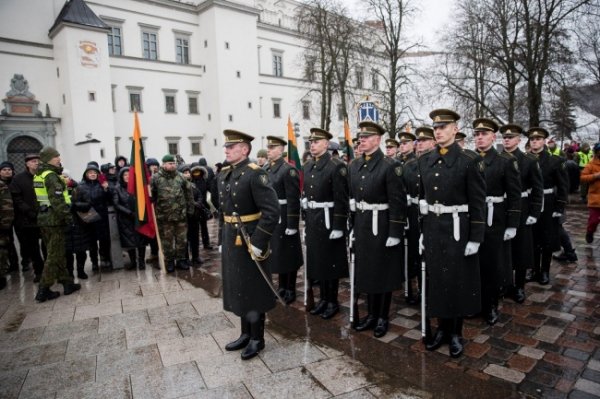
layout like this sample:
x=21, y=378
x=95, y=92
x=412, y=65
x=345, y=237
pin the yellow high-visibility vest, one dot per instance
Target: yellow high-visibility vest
x=41, y=193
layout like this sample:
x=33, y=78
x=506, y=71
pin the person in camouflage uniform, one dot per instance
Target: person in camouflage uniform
x=173, y=202
x=7, y=216
x=53, y=216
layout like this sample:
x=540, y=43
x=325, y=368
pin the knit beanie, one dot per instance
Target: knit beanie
x=48, y=153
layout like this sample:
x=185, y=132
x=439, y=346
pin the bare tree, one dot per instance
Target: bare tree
x=588, y=43
x=389, y=31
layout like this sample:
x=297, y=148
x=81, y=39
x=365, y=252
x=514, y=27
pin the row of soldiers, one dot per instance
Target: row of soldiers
x=471, y=217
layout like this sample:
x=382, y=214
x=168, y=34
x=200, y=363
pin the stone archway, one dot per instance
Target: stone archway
x=18, y=147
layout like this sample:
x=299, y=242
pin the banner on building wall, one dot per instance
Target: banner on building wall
x=89, y=54
x=367, y=111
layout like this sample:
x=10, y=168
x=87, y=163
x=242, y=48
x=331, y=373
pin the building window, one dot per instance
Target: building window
x=115, y=41
x=135, y=98
x=193, y=105
x=113, y=99
x=196, y=145
x=238, y=74
x=359, y=78
x=226, y=45
x=182, y=50
x=276, y=108
x=92, y=96
x=170, y=104
x=375, y=80
x=278, y=64
x=230, y=118
x=306, y=109
x=173, y=145
x=150, y=45
x=249, y=105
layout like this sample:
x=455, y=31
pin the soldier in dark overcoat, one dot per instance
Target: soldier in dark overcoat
x=286, y=250
x=244, y=189
x=452, y=202
x=554, y=176
x=379, y=206
x=503, y=212
x=325, y=200
x=532, y=193
x=391, y=148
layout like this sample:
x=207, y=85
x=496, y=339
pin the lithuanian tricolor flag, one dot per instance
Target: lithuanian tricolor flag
x=138, y=184
x=293, y=157
x=348, y=138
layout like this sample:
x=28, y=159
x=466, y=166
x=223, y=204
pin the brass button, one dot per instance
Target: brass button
x=437, y=174
x=435, y=188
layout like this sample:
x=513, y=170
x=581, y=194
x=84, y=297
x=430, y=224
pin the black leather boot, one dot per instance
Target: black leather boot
x=170, y=266
x=440, y=336
x=492, y=315
x=332, y=302
x=519, y=295
x=383, y=317
x=257, y=338
x=183, y=264
x=141, y=258
x=322, y=304
x=544, y=277
x=370, y=321
x=69, y=288
x=290, y=288
x=45, y=294
x=244, y=338
x=427, y=339
x=132, y=259
x=535, y=270
x=455, y=345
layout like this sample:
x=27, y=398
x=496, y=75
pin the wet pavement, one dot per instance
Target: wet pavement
x=142, y=334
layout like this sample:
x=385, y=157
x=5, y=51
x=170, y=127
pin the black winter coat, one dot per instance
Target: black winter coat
x=78, y=235
x=89, y=194
x=24, y=200
x=125, y=207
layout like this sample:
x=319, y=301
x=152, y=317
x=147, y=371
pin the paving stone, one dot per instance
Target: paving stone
x=564, y=361
x=502, y=344
x=94, y=344
x=101, y=309
x=581, y=294
x=575, y=394
x=206, y=306
x=290, y=354
x=408, y=312
x=520, y=339
x=543, y=377
x=496, y=355
x=42, y=319
x=237, y=391
x=521, y=363
x=33, y=356
x=532, y=352
x=540, y=297
x=172, y=312
x=564, y=385
x=404, y=322
x=362, y=393
x=143, y=302
x=559, y=315
x=413, y=334
x=11, y=382
x=293, y=383
x=576, y=354
x=481, y=338
x=342, y=374
x=160, y=287
x=118, y=388
x=548, y=334
x=45, y=380
x=594, y=365
x=168, y=382
x=202, y=325
x=229, y=370
x=505, y=373
x=20, y=339
x=122, y=321
x=587, y=386
x=144, y=335
x=116, y=364
x=591, y=375
x=476, y=350
x=186, y=349
x=183, y=296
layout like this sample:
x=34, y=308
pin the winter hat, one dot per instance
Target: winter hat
x=183, y=168
x=168, y=158
x=7, y=164
x=48, y=153
x=152, y=161
x=29, y=157
x=91, y=166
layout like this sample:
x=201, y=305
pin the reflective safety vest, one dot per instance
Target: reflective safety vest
x=41, y=193
x=584, y=158
x=555, y=151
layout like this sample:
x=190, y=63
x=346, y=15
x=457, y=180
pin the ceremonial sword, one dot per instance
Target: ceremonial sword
x=246, y=238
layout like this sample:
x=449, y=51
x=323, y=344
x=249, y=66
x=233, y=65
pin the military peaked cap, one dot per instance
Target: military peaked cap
x=485, y=124
x=234, y=137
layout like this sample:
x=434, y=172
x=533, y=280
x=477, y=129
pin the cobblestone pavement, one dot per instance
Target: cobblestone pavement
x=142, y=334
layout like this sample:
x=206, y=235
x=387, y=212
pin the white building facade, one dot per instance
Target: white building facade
x=190, y=69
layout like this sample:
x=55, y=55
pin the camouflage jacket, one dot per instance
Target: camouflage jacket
x=59, y=212
x=7, y=213
x=172, y=196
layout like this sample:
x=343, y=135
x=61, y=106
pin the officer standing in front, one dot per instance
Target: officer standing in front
x=286, y=255
x=503, y=200
x=326, y=204
x=532, y=189
x=244, y=189
x=379, y=207
x=554, y=176
x=53, y=217
x=452, y=203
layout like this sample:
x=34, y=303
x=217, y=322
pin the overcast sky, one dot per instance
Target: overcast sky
x=432, y=17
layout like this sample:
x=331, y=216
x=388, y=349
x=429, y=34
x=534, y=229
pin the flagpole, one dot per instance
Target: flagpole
x=161, y=256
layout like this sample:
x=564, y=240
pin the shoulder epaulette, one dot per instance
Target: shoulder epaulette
x=336, y=161
x=507, y=155
x=411, y=161
x=531, y=156
x=254, y=166
x=224, y=168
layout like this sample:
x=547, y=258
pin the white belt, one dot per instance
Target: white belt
x=412, y=200
x=525, y=194
x=374, y=208
x=439, y=209
x=546, y=192
x=490, y=204
x=321, y=205
x=282, y=202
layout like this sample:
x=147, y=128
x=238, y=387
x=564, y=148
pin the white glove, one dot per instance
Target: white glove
x=421, y=245
x=472, y=248
x=556, y=214
x=335, y=234
x=392, y=242
x=256, y=251
x=290, y=232
x=530, y=220
x=510, y=233
x=220, y=247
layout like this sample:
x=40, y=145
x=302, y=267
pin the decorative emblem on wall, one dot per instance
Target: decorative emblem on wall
x=89, y=54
